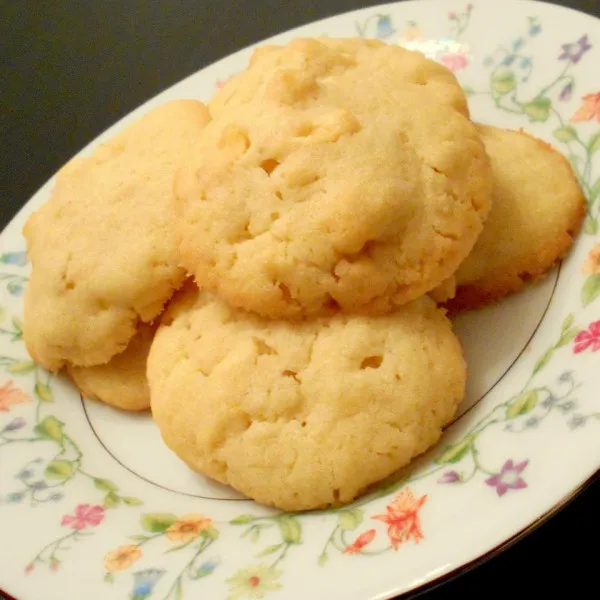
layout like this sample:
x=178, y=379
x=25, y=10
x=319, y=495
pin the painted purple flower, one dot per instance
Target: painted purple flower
x=449, y=477
x=574, y=52
x=566, y=93
x=18, y=259
x=15, y=424
x=509, y=478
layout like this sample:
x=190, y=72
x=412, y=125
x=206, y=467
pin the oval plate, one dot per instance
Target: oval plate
x=95, y=506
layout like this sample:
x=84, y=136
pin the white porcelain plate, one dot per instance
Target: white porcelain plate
x=93, y=505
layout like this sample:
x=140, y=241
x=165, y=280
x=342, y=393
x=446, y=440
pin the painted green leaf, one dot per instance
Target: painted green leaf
x=468, y=91
x=253, y=534
x=17, y=324
x=567, y=337
x=131, y=501
x=2, y=313
x=139, y=537
x=538, y=110
x=21, y=367
x=590, y=289
x=566, y=133
x=544, y=360
x=568, y=322
x=594, y=192
x=106, y=485
x=242, y=520
x=524, y=403
x=503, y=82
x=44, y=392
x=109, y=577
x=270, y=550
x=157, y=522
x=594, y=143
x=456, y=452
x=590, y=226
x=50, y=428
x=350, y=519
x=111, y=500
x=200, y=572
x=290, y=529
x=59, y=470
x=323, y=558
x=210, y=532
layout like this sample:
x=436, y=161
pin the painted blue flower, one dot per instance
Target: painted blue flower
x=518, y=44
x=18, y=259
x=508, y=60
x=567, y=406
x=534, y=27
x=144, y=582
x=566, y=377
x=206, y=568
x=24, y=474
x=14, y=498
x=532, y=422
x=57, y=497
x=15, y=424
x=15, y=288
x=575, y=51
x=525, y=63
x=384, y=27
x=549, y=401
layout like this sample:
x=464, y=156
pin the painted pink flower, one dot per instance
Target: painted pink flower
x=364, y=539
x=509, y=478
x=589, y=337
x=11, y=396
x=29, y=568
x=84, y=515
x=449, y=477
x=589, y=109
x=454, y=62
x=402, y=518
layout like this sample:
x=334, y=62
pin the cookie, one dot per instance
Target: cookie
x=290, y=210
x=103, y=248
x=302, y=415
x=371, y=70
x=122, y=381
x=537, y=210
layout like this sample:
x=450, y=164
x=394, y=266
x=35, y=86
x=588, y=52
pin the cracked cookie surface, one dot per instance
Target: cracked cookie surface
x=306, y=414
x=331, y=196
x=103, y=248
x=537, y=210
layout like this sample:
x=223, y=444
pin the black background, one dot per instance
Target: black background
x=70, y=68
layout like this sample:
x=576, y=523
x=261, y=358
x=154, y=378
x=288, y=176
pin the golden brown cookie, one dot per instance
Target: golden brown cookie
x=367, y=203
x=301, y=415
x=308, y=68
x=537, y=210
x=103, y=248
x=122, y=381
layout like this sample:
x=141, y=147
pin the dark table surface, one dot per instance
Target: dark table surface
x=70, y=68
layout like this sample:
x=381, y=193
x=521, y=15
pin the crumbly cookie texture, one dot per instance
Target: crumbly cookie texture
x=122, y=381
x=537, y=211
x=103, y=248
x=331, y=200
x=308, y=68
x=307, y=414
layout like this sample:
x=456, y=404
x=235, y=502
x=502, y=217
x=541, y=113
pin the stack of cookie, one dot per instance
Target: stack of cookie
x=264, y=272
